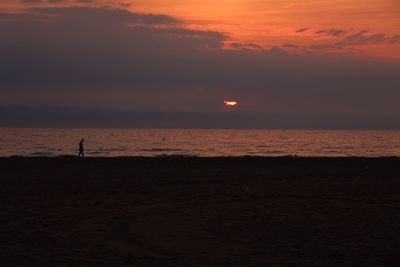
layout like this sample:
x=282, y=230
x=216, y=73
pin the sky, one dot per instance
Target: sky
x=154, y=63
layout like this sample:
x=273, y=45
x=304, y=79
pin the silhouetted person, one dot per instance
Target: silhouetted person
x=81, y=149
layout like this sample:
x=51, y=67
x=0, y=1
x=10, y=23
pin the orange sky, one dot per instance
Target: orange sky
x=277, y=22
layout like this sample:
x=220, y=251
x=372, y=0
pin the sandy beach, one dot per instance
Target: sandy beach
x=176, y=211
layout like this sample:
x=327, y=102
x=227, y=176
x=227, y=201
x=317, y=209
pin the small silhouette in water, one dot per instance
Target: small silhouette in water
x=81, y=149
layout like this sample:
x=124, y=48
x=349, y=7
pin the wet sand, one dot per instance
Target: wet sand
x=200, y=212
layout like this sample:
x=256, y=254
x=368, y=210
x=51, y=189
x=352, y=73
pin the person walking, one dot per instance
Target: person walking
x=81, y=149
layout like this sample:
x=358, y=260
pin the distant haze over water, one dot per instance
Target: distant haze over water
x=208, y=143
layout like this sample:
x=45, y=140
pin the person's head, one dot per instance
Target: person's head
x=82, y=140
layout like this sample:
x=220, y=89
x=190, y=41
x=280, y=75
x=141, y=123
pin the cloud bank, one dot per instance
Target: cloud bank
x=118, y=60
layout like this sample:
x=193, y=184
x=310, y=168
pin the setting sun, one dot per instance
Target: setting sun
x=230, y=103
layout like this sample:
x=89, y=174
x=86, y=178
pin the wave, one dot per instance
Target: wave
x=178, y=156
x=160, y=150
x=42, y=154
x=102, y=150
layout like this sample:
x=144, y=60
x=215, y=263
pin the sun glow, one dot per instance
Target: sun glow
x=230, y=103
x=267, y=23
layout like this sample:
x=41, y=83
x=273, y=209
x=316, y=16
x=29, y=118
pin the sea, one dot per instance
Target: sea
x=198, y=143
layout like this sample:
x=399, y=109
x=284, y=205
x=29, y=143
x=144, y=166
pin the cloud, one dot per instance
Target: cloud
x=246, y=46
x=287, y=45
x=353, y=40
x=92, y=15
x=115, y=59
x=276, y=51
x=86, y=43
x=395, y=39
x=331, y=32
x=115, y=3
x=302, y=30
x=45, y=116
x=361, y=38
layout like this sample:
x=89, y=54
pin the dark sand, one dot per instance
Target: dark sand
x=197, y=212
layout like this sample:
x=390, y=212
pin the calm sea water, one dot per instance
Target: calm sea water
x=209, y=143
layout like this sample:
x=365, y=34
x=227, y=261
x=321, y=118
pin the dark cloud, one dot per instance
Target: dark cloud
x=276, y=51
x=357, y=39
x=289, y=46
x=394, y=39
x=331, y=32
x=91, y=15
x=105, y=3
x=152, y=64
x=246, y=46
x=45, y=116
x=302, y=30
x=362, y=38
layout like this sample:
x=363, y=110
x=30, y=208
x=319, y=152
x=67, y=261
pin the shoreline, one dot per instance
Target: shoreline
x=200, y=157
